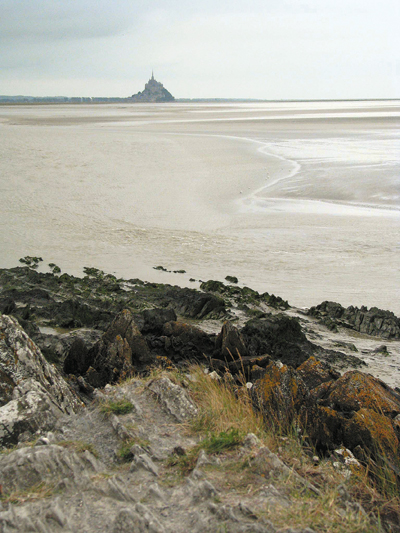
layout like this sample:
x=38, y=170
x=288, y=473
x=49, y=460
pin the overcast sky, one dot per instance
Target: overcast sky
x=272, y=49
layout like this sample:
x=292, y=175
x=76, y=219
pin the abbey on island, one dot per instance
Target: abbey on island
x=154, y=91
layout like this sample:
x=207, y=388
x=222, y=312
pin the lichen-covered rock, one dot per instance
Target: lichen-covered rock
x=356, y=390
x=280, y=393
x=314, y=372
x=229, y=343
x=21, y=359
x=372, y=430
x=355, y=410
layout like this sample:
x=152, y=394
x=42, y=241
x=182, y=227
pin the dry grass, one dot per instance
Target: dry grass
x=37, y=492
x=223, y=406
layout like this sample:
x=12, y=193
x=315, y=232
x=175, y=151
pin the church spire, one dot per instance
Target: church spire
x=152, y=74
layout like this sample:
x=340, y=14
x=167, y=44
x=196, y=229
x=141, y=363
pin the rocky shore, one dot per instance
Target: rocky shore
x=69, y=346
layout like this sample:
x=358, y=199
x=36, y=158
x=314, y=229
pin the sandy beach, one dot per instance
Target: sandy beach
x=297, y=199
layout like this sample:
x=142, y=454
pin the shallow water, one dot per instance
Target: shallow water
x=298, y=199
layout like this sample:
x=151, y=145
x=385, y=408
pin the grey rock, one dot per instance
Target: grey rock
x=21, y=359
x=32, y=410
x=26, y=467
x=174, y=399
x=144, y=462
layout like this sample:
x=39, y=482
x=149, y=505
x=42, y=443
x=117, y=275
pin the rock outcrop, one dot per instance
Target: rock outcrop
x=371, y=321
x=33, y=394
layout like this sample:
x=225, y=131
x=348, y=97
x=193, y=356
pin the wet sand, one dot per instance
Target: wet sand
x=300, y=200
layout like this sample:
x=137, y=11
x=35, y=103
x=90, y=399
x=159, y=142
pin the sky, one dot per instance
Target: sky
x=264, y=49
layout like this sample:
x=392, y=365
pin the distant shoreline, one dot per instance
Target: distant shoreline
x=38, y=100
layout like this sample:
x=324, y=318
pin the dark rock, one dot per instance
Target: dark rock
x=195, y=304
x=77, y=361
x=372, y=321
x=75, y=314
x=154, y=319
x=280, y=337
x=57, y=347
x=245, y=366
x=121, y=350
x=185, y=342
x=230, y=344
x=7, y=306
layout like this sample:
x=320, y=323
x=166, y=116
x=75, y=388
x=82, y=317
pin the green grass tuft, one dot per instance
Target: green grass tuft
x=117, y=407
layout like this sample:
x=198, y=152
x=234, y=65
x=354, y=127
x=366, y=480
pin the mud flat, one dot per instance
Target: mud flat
x=300, y=199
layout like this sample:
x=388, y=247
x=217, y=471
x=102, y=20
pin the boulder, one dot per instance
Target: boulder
x=154, y=319
x=280, y=337
x=371, y=430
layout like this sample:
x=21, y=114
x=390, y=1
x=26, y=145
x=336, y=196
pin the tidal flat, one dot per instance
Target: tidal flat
x=300, y=199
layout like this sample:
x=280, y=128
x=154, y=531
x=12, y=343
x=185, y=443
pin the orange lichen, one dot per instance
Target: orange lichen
x=356, y=390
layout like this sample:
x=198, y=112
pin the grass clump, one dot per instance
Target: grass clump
x=223, y=406
x=117, y=407
x=213, y=444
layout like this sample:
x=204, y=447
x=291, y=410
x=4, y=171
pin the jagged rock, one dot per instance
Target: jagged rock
x=57, y=347
x=280, y=337
x=372, y=321
x=173, y=398
x=230, y=344
x=73, y=313
x=21, y=359
x=184, y=341
x=315, y=372
x=280, y=393
x=143, y=461
x=24, y=468
x=121, y=349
